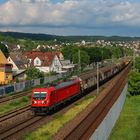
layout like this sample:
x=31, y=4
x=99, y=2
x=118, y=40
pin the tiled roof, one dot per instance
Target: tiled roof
x=19, y=59
x=45, y=57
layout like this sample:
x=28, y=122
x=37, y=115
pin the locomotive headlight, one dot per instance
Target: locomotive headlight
x=35, y=102
x=42, y=102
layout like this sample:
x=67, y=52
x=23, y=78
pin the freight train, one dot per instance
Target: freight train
x=49, y=98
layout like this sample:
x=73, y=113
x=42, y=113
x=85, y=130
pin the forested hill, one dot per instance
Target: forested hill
x=48, y=37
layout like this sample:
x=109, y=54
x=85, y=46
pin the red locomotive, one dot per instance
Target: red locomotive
x=46, y=99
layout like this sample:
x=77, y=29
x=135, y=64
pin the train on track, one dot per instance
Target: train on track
x=49, y=98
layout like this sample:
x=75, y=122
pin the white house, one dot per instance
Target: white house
x=45, y=61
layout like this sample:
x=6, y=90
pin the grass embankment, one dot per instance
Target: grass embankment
x=15, y=104
x=128, y=125
x=47, y=131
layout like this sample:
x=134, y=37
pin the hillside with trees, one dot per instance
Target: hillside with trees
x=58, y=38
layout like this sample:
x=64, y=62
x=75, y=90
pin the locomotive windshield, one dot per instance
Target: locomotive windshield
x=40, y=95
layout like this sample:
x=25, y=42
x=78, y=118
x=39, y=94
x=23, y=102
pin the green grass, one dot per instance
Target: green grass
x=15, y=104
x=47, y=131
x=128, y=125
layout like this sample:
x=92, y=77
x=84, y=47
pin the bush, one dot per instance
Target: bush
x=134, y=83
x=137, y=65
x=34, y=73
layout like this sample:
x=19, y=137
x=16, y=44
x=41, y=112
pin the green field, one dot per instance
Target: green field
x=128, y=125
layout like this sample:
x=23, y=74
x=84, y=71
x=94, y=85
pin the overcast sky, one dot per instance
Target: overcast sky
x=71, y=17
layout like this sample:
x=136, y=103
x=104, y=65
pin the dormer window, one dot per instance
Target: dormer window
x=37, y=62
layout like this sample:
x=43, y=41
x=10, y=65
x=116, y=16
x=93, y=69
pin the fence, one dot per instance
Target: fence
x=105, y=128
x=18, y=87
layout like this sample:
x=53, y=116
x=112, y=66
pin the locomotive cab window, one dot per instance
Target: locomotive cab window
x=40, y=95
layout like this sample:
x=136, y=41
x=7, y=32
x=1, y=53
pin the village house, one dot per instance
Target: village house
x=67, y=65
x=48, y=61
x=45, y=61
x=20, y=64
x=5, y=70
x=18, y=60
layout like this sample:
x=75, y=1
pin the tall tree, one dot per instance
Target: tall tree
x=84, y=58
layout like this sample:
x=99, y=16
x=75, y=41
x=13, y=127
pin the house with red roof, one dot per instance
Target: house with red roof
x=45, y=61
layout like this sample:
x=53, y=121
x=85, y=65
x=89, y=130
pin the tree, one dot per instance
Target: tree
x=84, y=58
x=4, y=50
x=97, y=54
x=128, y=52
x=134, y=83
x=117, y=51
x=34, y=73
x=29, y=45
x=137, y=63
x=10, y=40
x=106, y=53
x=69, y=51
x=1, y=37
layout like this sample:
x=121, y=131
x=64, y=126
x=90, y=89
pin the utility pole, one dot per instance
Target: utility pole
x=79, y=61
x=97, y=78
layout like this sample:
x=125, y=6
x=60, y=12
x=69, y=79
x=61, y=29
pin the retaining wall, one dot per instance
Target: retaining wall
x=105, y=128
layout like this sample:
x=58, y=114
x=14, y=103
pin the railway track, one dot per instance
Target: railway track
x=12, y=97
x=83, y=126
x=8, y=133
x=32, y=122
x=13, y=119
x=14, y=113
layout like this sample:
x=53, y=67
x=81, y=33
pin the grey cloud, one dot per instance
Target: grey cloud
x=82, y=13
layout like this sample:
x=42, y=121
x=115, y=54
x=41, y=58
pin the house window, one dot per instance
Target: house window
x=6, y=77
x=37, y=62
